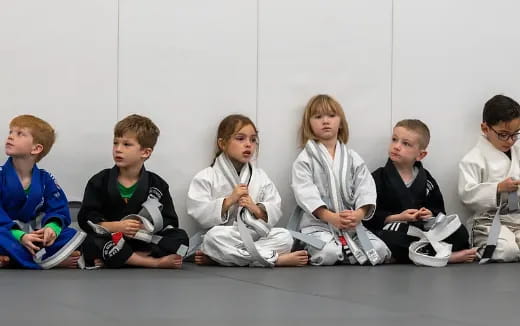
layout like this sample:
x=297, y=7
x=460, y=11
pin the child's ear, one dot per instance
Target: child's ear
x=146, y=152
x=37, y=149
x=221, y=144
x=421, y=155
x=484, y=127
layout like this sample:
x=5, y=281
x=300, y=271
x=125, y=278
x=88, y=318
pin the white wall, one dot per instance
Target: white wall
x=58, y=60
x=449, y=58
x=82, y=65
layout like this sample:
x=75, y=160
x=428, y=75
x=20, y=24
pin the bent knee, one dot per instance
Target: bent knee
x=283, y=238
x=383, y=251
x=506, y=251
x=329, y=255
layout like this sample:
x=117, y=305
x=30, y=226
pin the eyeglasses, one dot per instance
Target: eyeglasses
x=505, y=136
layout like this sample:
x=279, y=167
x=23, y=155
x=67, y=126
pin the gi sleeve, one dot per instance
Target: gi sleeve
x=56, y=205
x=306, y=192
x=377, y=221
x=434, y=200
x=205, y=209
x=92, y=204
x=363, y=188
x=271, y=200
x=479, y=196
x=168, y=211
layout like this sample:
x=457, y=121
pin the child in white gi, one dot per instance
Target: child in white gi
x=334, y=188
x=489, y=176
x=239, y=205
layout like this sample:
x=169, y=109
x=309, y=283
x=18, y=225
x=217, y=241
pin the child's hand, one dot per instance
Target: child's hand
x=247, y=202
x=238, y=192
x=338, y=221
x=508, y=185
x=424, y=213
x=352, y=218
x=48, y=235
x=28, y=240
x=130, y=227
x=409, y=215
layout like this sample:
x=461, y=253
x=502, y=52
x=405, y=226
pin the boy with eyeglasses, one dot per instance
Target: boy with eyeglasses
x=489, y=176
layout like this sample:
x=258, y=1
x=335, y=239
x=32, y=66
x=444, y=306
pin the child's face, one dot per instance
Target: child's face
x=325, y=126
x=241, y=147
x=404, y=148
x=19, y=143
x=503, y=135
x=127, y=152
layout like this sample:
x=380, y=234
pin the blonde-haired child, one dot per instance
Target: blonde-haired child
x=335, y=190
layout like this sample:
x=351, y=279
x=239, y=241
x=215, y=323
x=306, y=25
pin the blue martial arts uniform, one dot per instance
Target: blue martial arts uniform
x=45, y=202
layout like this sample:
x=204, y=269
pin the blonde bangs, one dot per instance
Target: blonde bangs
x=319, y=105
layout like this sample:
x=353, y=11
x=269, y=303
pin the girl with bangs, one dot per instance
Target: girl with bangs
x=334, y=191
x=238, y=206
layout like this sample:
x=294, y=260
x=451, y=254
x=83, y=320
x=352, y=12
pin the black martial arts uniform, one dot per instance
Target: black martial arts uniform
x=102, y=202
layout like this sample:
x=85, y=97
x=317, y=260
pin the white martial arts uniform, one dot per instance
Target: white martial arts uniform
x=312, y=189
x=223, y=242
x=480, y=172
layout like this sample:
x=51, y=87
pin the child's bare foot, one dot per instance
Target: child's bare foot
x=71, y=261
x=4, y=261
x=463, y=256
x=202, y=259
x=170, y=261
x=296, y=258
x=99, y=263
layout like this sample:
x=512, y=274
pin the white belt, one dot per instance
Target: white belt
x=151, y=218
x=443, y=227
x=494, y=231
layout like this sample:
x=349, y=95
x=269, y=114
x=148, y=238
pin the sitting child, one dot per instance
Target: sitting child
x=407, y=194
x=127, y=211
x=34, y=213
x=489, y=176
x=334, y=188
x=239, y=205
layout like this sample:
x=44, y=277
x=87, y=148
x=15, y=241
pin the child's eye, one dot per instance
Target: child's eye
x=254, y=140
x=394, y=139
x=332, y=115
x=240, y=138
x=406, y=143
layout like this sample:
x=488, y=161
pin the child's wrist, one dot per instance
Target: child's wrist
x=18, y=234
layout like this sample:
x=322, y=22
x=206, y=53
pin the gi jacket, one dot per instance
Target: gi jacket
x=393, y=196
x=102, y=201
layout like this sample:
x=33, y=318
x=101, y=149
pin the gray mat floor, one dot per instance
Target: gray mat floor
x=339, y=295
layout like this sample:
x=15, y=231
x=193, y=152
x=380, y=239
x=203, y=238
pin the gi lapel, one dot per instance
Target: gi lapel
x=16, y=192
x=418, y=188
x=247, y=224
x=339, y=192
x=403, y=194
x=141, y=192
x=112, y=189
